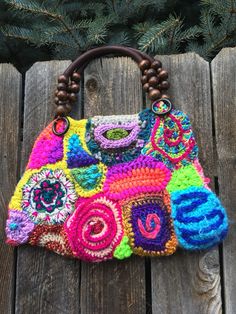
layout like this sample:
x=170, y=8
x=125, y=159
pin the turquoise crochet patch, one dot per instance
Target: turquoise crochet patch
x=88, y=177
x=200, y=221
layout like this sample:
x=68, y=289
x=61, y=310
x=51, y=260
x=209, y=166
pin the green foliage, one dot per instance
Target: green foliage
x=33, y=30
x=217, y=26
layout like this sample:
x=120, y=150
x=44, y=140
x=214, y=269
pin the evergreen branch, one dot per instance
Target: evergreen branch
x=176, y=29
x=141, y=28
x=189, y=34
x=18, y=33
x=32, y=36
x=34, y=8
x=121, y=38
x=81, y=25
x=217, y=45
x=155, y=33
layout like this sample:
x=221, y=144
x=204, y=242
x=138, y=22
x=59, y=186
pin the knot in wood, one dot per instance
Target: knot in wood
x=92, y=85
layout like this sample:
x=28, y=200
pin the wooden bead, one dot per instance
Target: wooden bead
x=163, y=75
x=144, y=64
x=164, y=85
x=153, y=81
x=146, y=87
x=68, y=107
x=61, y=86
x=165, y=96
x=63, y=79
x=156, y=64
x=60, y=110
x=61, y=103
x=74, y=88
x=73, y=97
x=76, y=77
x=62, y=95
x=159, y=70
x=144, y=79
x=150, y=73
x=154, y=94
x=56, y=99
x=56, y=92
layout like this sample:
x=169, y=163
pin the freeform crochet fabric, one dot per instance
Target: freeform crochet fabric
x=113, y=186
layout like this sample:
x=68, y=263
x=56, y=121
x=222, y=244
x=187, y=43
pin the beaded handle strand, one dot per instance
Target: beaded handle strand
x=154, y=78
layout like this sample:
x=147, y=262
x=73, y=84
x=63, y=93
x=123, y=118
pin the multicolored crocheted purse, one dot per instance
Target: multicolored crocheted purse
x=109, y=186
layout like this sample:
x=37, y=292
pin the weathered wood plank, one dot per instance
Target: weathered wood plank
x=10, y=105
x=190, y=282
x=112, y=86
x=46, y=282
x=224, y=100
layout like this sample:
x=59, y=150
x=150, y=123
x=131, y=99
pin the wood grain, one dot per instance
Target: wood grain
x=224, y=99
x=112, y=86
x=10, y=107
x=190, y=282
x=45, y=282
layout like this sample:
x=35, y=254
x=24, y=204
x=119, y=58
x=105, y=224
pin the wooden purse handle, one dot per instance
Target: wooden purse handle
x=154, y=78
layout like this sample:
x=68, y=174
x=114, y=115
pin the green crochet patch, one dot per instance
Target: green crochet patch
x=184, y=178
x=88, y=177
x=116, y=134
x=123, y=250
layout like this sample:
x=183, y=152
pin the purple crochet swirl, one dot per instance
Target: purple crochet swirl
x=150, y=241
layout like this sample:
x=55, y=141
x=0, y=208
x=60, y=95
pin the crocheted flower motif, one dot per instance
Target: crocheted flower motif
x=95, y=228
x=172, y=140
x=18, y=227
x=48, y=197
x=200, y=221
x=48, y=148
x=143, y=174
x=52, y=237
x=148, y=224
x=118, y=139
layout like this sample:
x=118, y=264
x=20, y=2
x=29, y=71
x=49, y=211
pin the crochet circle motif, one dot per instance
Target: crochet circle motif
x=95, y=228
x=48, y=197
x=18, y=227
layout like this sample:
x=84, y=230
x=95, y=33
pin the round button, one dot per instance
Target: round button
x=60, y=126
x=161, y=106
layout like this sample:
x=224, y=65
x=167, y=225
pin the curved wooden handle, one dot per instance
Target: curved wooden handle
x=153, y=79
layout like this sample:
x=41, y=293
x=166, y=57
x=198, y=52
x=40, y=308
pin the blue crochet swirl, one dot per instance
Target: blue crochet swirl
x=200, y=221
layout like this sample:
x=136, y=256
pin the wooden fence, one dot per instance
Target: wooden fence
x=33, y=280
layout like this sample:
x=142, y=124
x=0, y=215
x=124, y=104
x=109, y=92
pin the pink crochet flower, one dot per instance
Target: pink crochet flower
x=95, y=228
x=18, y=227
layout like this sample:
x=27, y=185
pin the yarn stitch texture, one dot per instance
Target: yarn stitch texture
x=113, y=186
